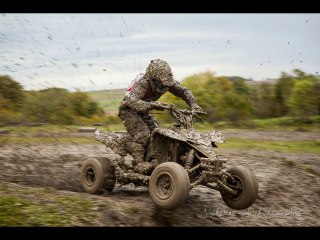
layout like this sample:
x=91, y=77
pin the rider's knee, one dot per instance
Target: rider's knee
x=142, y=137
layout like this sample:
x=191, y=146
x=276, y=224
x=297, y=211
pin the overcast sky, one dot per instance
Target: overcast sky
x=106, y=51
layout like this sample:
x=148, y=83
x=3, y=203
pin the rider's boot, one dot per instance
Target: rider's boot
x=139, y=164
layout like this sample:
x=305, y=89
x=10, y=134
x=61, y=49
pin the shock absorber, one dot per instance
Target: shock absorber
x=189, y=159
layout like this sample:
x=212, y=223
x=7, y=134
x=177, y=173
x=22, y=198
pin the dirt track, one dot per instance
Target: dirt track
x=288, y=192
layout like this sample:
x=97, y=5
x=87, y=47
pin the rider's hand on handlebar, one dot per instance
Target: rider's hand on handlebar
x=160, y=105
x=197, y=109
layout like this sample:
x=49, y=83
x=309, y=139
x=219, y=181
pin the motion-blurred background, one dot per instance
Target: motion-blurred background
x=256, y=75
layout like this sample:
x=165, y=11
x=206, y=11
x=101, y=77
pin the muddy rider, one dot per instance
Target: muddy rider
x=140, y=99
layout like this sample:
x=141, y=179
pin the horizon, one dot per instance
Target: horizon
x=124, y=88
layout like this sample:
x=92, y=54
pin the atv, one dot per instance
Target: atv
x=182, y=158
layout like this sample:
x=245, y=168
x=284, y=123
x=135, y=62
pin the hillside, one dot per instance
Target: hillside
x=109, y=100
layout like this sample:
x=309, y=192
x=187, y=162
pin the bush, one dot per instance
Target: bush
x=9, y=116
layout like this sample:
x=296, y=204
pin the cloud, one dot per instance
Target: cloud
x=109, y=50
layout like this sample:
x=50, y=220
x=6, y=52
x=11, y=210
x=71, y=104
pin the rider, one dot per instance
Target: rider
x=140, y=99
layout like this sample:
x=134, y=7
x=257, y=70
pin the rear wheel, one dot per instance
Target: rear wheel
x=246, y=185
x=97, y=175
x=169, y=185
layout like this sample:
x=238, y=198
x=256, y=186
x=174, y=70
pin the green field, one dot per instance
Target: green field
x=306, y=146
x=311, y=124
x=42, y=207
x=280, y=146
x=109, y=100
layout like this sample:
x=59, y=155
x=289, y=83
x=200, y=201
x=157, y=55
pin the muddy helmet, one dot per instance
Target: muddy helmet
x=160, y=69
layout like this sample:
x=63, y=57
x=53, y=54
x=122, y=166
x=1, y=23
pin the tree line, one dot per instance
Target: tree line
x=233, y=99
x=51, y=105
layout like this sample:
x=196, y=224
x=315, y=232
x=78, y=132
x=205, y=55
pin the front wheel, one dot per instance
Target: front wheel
x=246, y=185
x=169, y=185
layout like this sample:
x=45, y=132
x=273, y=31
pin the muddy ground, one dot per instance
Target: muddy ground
x=289, y=191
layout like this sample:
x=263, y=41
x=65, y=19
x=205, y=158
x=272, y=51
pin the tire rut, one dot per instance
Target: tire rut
x=288, y=194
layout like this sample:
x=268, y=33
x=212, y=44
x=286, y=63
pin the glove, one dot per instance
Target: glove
x=197, y=108
x=160, y=106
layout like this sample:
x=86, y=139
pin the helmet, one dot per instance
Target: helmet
x=160, y=70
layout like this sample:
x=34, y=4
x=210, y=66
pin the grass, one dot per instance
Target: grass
x=309, y=124
x=46, y=140
x=109, y=100
x=41, y=129
x=279, y=124
x=21, y=205
x=272, y=124
x=110, y=106
x=38, y=207
x=281, y=146
x=290, y=123
x=57, y=128
x=232, y=143
x=114, y=127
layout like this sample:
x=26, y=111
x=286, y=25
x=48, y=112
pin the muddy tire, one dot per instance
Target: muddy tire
x=97, y=175
x=169, y=185
x=248, y=184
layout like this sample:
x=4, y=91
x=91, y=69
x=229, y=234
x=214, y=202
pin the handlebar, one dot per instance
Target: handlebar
x=183, y=116
x=186, y=111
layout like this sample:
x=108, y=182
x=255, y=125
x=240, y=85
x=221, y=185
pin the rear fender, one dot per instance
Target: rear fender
x=116, y=141
x=169, y=133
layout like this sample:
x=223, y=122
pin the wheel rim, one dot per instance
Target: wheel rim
x=164, y=186
x=89, y=176
x=238, y=186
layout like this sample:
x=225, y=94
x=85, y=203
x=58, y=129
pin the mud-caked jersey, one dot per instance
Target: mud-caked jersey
x=140, y=93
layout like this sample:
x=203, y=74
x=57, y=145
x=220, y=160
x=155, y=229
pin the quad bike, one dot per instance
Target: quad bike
x=182, y=158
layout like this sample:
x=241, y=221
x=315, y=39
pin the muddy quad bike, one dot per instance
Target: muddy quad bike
x=182, y=158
